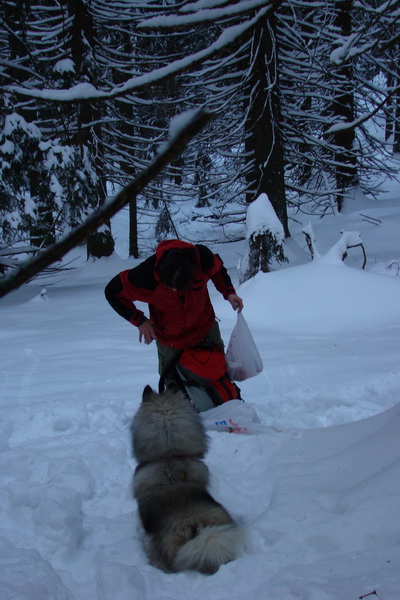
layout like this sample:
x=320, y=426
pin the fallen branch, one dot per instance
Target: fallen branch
x=371, y=220
x=350, y=239
x=103, y=214
x=394, y=264
x=363, y=251
x=368, y=595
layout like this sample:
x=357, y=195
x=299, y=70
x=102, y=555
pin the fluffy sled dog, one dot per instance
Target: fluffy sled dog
x=185, y=527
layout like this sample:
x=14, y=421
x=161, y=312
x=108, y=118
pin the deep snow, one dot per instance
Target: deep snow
x=317, y=490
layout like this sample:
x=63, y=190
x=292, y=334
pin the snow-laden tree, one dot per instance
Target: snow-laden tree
x=263, y=140
x=295, y=101
x=337, y=90
x=21, y=174
x=241, y=155
x=53, y=45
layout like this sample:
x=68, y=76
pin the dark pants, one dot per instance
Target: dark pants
x=167, y=355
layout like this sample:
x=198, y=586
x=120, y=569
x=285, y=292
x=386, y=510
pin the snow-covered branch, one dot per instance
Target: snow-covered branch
x=87, y=91
x=205, y=16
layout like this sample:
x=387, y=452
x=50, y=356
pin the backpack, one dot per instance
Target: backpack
x=202, y=372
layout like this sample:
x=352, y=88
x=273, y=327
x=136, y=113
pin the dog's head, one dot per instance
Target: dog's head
x=167, y=425
x=148, y=392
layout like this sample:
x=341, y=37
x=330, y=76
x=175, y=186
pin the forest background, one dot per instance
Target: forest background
x=304, y=98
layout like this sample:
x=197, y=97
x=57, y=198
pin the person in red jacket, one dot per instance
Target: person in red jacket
x=173, y=282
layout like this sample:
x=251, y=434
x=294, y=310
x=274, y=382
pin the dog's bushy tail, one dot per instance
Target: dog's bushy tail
x=212, y=547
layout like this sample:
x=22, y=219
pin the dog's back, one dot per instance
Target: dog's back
x=186, y=527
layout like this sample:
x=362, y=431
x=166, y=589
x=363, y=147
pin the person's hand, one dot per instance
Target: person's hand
x=146, y=332
x=236, y=302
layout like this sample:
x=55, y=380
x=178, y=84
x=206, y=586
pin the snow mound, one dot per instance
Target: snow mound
x=322, y=297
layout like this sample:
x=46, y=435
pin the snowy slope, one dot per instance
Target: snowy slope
x=317, y=492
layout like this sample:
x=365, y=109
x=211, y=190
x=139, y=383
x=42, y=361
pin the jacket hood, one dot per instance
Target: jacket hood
x=168, y=245
x=165, y=246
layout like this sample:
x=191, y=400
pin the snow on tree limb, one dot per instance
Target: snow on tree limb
x=102, y=215
x=261, y=217
x=86, y=91
x=204, y=15
x=343, y=125
x=201, y=4
x=348, y=48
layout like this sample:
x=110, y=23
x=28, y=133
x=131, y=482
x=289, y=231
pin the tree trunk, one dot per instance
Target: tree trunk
x=343, y=110
x=89, y=130
x=396, y=141
x=390, y=110
x=133, y=231
x=263, y=142
x=396, y=103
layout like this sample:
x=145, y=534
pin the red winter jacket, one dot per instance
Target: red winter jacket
x=181, y=318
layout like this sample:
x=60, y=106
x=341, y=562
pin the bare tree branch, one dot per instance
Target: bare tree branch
x=102, y=215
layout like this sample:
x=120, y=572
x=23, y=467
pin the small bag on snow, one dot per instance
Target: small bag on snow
x=242, y=357
x=233, y=417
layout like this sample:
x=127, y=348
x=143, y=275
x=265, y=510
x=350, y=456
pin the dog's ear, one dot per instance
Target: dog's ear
x=147, y=393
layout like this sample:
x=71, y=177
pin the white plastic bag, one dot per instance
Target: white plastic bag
x=234, y=416
x=242, y=357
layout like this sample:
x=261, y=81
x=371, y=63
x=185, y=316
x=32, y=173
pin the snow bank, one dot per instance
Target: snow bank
x=323, y=297
x=316, y=486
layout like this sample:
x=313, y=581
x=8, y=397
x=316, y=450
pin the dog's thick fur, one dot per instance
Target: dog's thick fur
x=185, y=527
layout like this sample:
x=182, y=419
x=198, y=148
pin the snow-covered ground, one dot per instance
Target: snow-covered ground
x=317, y=490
